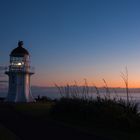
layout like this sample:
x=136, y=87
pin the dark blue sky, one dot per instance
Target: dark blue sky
x=74, y=39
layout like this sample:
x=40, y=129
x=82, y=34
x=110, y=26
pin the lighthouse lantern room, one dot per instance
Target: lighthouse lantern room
x=19, y=73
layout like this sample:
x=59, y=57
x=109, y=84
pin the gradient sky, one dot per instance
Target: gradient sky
x=74, y=39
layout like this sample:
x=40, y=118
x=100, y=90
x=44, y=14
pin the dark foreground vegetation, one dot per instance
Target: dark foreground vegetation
x=70, y=118
x=101, y=112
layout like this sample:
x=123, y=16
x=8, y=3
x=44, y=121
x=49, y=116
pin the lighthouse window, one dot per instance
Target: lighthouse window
x=17, y=61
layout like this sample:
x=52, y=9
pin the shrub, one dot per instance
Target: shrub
x=100, y=111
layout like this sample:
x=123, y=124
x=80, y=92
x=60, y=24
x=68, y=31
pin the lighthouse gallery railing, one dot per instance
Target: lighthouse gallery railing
x=25, y=69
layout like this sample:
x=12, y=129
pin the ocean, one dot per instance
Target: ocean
x=54, y=93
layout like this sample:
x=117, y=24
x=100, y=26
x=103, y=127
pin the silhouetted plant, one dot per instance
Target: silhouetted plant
x=74, y=91
x=107, y=89
x=125, y=79
x=77, y=107
x=43, y=99
x=97, y=91
x=101, y=110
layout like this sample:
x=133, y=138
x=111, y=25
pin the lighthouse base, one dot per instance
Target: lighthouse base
x=19, y=87
x=14, y=97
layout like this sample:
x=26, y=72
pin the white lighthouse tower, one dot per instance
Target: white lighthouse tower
x=19, y=73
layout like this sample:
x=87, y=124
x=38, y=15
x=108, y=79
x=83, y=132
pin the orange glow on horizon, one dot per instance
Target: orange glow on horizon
x=111, y=84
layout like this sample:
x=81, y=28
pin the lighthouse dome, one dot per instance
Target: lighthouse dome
x=19, y=51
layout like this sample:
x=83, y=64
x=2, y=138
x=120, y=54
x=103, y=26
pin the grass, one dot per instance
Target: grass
x=100, y=112
x=38, y=109
x=110, y=118
x=6, y=134
x=113, y=118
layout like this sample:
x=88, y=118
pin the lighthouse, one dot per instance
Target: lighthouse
x=19, y=72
